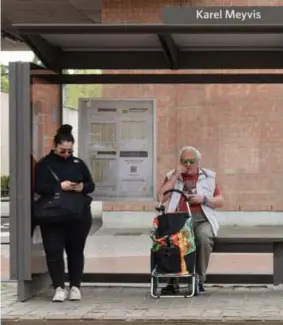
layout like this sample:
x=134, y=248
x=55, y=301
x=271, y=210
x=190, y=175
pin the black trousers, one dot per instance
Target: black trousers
x=70, y=237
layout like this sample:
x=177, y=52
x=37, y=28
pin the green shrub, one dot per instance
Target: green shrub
x=5, y=185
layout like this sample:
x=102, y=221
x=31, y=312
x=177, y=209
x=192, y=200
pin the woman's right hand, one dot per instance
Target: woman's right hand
x=67, y=186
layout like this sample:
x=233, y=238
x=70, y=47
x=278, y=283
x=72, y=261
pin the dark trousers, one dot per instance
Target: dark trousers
x=71, y=237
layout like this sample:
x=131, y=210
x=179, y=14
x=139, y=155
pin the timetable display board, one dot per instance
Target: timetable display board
x=118, y=145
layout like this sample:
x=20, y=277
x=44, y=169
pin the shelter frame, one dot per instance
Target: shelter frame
x=167, y=57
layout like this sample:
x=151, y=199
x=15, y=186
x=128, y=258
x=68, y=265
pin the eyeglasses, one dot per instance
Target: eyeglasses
x=186, y=161
x=68, y=151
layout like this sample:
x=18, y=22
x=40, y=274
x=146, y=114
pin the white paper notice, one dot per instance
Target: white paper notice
x=133, y=135
x=105, y=176
x=133, y=176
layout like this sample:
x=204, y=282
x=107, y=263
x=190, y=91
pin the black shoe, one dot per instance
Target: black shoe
x=170, y=289
x=201, y=288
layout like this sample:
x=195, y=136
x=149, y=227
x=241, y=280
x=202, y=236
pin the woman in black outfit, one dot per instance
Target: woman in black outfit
x=68, y=235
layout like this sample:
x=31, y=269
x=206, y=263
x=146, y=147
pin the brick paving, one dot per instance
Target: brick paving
x=228, y=304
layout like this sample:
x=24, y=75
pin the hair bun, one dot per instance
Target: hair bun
x=65, y=129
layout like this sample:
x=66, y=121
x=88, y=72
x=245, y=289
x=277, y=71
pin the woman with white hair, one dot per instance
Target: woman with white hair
x=199, y=184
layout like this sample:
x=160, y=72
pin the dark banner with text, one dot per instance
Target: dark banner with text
x=223, y=15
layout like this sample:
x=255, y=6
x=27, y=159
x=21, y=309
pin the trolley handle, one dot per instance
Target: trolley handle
x=161, y=207
x=177, y=191
x=186, y=198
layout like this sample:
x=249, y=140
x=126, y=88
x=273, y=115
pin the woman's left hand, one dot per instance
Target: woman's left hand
x=78, y=187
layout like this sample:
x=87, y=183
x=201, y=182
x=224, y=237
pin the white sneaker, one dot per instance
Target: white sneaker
x=60, y=295
x=75, y=294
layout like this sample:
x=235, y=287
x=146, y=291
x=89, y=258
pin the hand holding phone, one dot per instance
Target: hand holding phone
x=67, y=186
x=78, y=187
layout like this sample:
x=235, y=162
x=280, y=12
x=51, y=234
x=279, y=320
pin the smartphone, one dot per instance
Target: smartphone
x=76, y=182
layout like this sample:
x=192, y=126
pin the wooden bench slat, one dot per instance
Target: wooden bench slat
x=244, y=240
x=233, y=247
x=261, y=234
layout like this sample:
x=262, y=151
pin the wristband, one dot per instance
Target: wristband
x=205, y=201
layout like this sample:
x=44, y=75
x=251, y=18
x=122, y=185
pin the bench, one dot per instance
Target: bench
x=231, y=239
x=262, y=239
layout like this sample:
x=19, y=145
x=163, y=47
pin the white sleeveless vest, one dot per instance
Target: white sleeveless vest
x=205, y=186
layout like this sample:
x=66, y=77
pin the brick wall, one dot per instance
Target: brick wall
x=46, y=113
x=238, y=128
x=147, y=11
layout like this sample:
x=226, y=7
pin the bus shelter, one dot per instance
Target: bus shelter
x=169, y=48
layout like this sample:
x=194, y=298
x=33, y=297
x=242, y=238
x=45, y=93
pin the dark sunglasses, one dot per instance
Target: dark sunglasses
x=69, y=151
x=186, y=161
